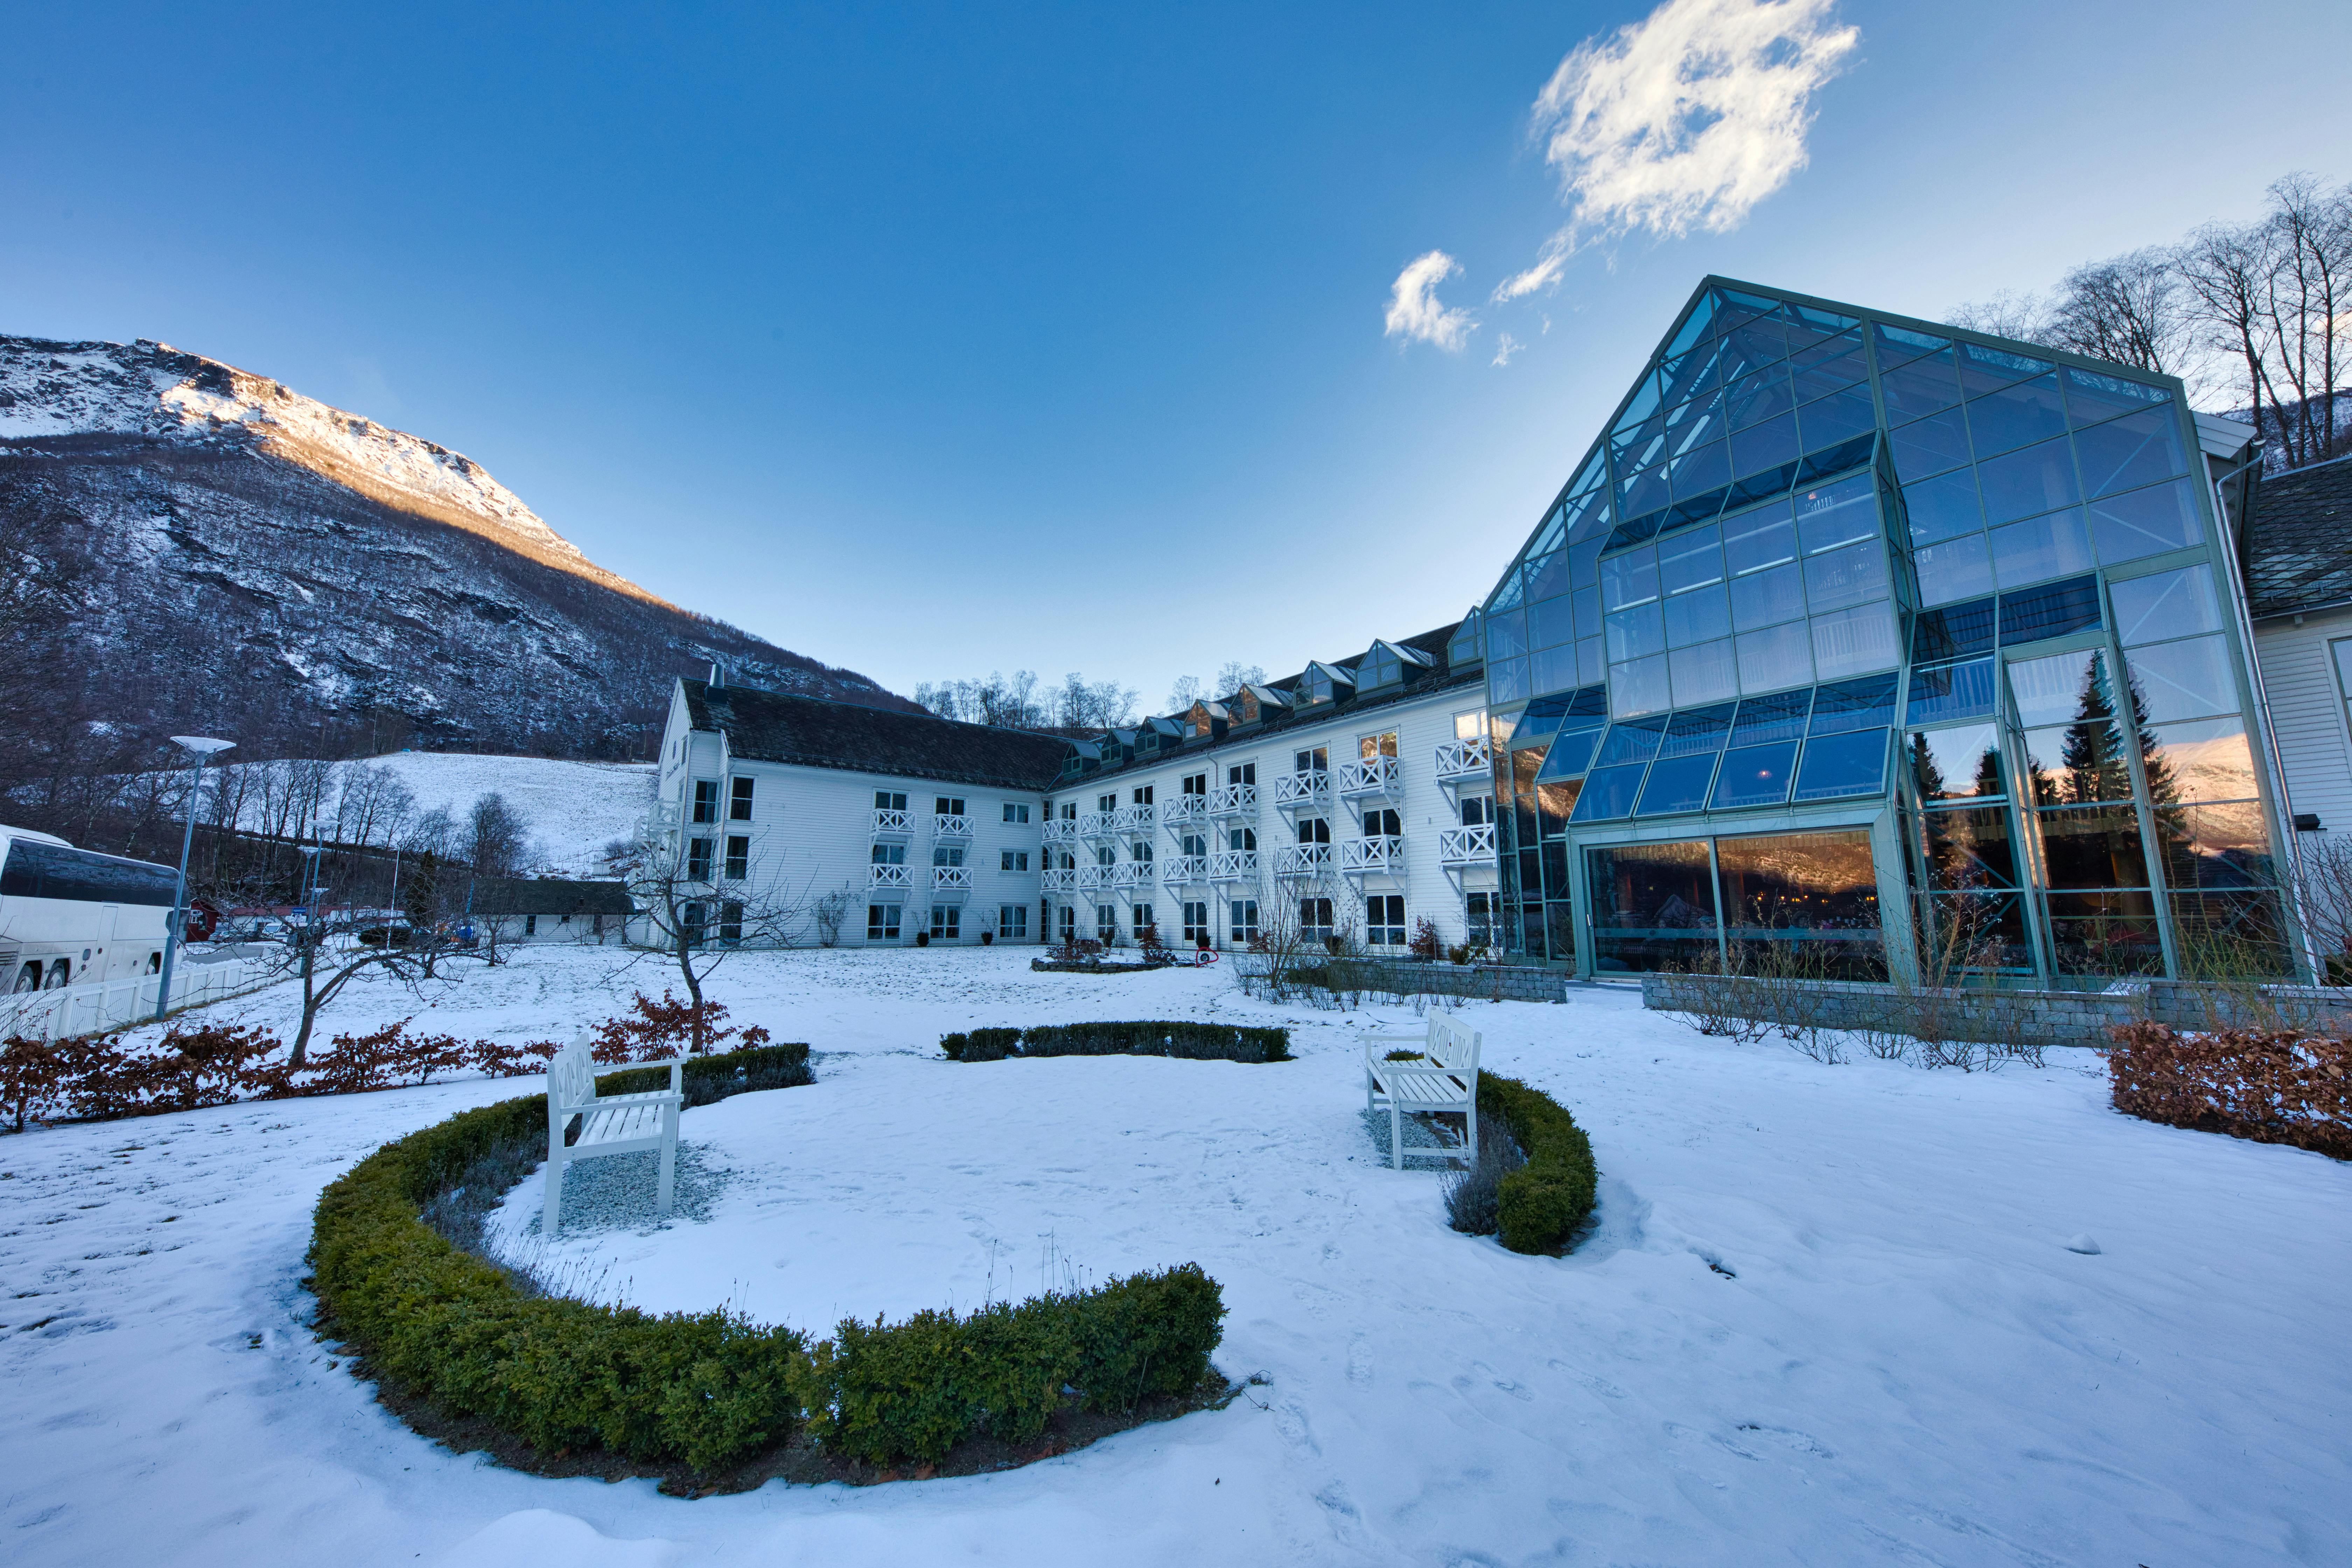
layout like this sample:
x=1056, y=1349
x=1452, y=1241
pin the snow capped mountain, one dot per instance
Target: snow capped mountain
x=249, y=554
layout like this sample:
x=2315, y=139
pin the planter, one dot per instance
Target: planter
x=988, y=939
x=922, y=939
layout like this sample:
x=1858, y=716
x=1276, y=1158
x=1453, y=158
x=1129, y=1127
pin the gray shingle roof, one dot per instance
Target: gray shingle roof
x=2299, y=546
x=549, y=896
x=810, y=732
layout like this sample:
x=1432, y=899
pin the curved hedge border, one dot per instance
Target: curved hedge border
x=1544, y=1201
x=1190, y=1041
x=710, y=1388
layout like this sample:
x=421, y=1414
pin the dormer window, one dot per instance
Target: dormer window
x=1324, y=683
x=1389, y=664
x=1462, y=649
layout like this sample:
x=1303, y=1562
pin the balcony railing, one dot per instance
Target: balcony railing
x=1096, y=878
x=893, y=824
x=1364, y=857
x=946, y=826
x=1132, y=874
x=1472, y=845
x=1186, y=811
x=1097, y=823
x=951, y=879
x=1061, y=830
x=1373, y=775
x=889, y=876
x=1298, y=792
x=1233, y=800
x=1303, y=860
x=1179, y=870
x=1234, y=866
x=1059, y=879
x=1133, y=818
x=1472, y=759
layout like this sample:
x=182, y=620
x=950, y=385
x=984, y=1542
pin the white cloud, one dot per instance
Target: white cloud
x=1415, y=313
x=1685, y=119
x=1544, y=274
x=1507, y=346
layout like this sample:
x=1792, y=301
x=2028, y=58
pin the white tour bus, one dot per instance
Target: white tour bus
x=67, y=915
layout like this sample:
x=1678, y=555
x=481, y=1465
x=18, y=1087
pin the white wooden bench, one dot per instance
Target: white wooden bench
x=1441, y=1077
x=615, y=1124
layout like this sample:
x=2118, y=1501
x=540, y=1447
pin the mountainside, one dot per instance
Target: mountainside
x=241, y=555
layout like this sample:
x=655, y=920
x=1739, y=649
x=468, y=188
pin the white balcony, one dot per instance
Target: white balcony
x=1061, y=830
x=1186, y=812
x=1472, y=845
x=1062, y=880
x=951, y=879
x=901, y=878
x=893, y=824
x=1303, y=860
x=946, y=826
x=1466, y=762
x=1310, y=791
x=1132, y=818
x=1382, y=857
x=1096, y=878
x=1179, y=870
x=1372, y=776
x=1233, y=800
x=1234, y=866
x=1097, y=823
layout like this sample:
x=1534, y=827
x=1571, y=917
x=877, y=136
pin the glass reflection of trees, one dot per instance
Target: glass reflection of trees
x=1970, y=920
x=1802, y=903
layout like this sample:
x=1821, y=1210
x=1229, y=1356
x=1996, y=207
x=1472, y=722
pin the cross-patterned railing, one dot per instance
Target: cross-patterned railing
x=893, y=824
x=1373, y=775
x=1133, y=818
x=1293, y=791
x=1061, y=830
x=1359, y=856
x=889, y=876
x=1471, y=759
x=946, y=826
x=1097, y=823
x=1234, y=866
x=1178, y=869
x=1233, y=800
x=1131, y=874
x=1059, y=879
x=1302, y=860
x=1094, y=878
x=1472, y=845
x=951, y=879
x=1186, y=811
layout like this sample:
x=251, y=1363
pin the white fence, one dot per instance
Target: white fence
x=104, y=1005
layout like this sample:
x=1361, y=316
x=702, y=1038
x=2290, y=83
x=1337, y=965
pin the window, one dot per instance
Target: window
x=1069, y=811
x=947, y=922
x=1012, y=861
x=690, y=924
x=739, y=807
x=1244, y=920
x=1243, y=774
x=1013, y=921
x=1195, y=844
x=1106, y=923
x=1196, y=784
x=1477, y=811
x=698, y=859
x=1315, y=761
x=1070, y=923
x=1196, y=924
x=1143, y=794
x=1384, y=744
x=1480, y=910
x=739, y=857
x=1015, y=812
x=1242, y=838
x=889, y=854
x=890, y=800
x=1105, y=856
x=531, y=925
x=1143, y=920
x=1107, y=804
x=1315, y=920
x=705, y=800
x=730, y=922
x=1314, y=830
x=1385, y=919
x=1139, y=852
x=947, y=804
x=946, y=853
x=1382, y=824
x=1471, y=725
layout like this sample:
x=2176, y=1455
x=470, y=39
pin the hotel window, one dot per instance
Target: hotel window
x=705, y=800
x=1143, y=794
x=882, y=922
x=947, y=922
x=1471, y=725
x=1477, y=811
x=1107, y=804
x=948, y=806
x=739, y=808
x=1242, y=773
x=1143, y=920
x=739, y=857
x=1140, y=852
x=1315, y=920
x=1384, y=745
x=1070, y=923
x=1106, y=923
x=1242, y=838
x=1385, y=919
x=890, y=800
x=1314, y=830
x=1315, y=760
x=1069, y=811
x=1012, y=861
x=730, y=922
x=1382, y=824
x=1015, y=812
x=1243, y=921
x=690, y=924
x=946, y=853
x=1196, y=923
x=531, y=925
x=1013, y=921
x=698, y=859
x=1196, y=784
x=1195, y=844
x=1479, y=909
x=889, y=854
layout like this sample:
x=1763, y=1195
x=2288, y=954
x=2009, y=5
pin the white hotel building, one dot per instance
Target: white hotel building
x=1354, y=799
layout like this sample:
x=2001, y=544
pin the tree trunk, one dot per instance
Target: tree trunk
x=310, y=1006
x=693, y=987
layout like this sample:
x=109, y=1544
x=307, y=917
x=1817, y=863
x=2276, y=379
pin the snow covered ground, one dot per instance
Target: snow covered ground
x=1828, y=1316
x=575, y=809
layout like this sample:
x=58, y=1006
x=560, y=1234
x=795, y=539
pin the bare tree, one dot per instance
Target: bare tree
x=695, y=922
x=1233, y=675
x=1183, y=694
x=2007, y=314
x=2130, y=310
x=497, y=837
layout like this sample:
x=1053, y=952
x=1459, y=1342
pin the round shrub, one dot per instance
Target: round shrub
x=1541, y=1204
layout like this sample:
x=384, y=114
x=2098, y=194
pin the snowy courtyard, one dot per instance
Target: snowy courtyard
x=1827, y=1314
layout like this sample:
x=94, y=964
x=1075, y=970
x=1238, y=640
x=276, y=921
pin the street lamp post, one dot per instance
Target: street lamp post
x=203, y=748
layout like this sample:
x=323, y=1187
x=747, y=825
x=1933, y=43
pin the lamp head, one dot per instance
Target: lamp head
x=202, y=745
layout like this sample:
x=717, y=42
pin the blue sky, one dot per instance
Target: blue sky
x=931, y=340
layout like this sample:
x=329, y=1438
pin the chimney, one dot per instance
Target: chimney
x=718, y=677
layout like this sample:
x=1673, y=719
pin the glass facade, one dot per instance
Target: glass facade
x=1844, y=609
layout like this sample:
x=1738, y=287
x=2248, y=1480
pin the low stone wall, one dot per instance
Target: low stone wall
x=1499, y=981
x=2036, y=1018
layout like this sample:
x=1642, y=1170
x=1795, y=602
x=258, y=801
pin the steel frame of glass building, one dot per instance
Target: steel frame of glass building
x=1862, y=646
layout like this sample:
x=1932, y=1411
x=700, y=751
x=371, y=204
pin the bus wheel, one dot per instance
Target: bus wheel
x=60, y=973
x=29, y=978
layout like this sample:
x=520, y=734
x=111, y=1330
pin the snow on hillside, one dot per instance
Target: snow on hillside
x=575, y=809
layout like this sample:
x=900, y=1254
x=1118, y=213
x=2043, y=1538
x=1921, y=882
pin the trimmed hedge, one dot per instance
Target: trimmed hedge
x=710, y=1388
x=1544, y=1201
x=707, y=1079
x=1188, y=1041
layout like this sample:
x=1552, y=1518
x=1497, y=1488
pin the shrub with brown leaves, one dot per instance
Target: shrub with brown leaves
x=2273, y=1086
x=649, y=1030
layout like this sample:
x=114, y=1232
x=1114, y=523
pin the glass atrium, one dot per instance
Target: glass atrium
x=1859, y=646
